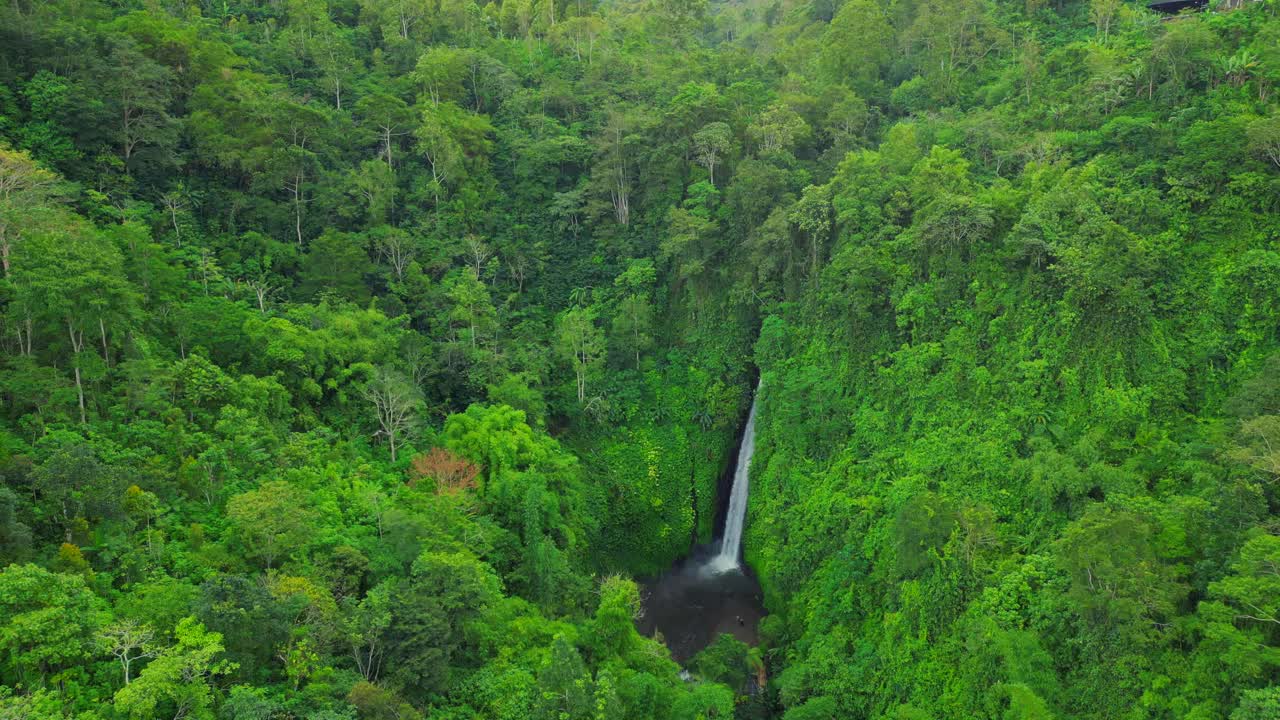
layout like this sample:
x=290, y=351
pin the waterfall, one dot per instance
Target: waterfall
x=731, y=543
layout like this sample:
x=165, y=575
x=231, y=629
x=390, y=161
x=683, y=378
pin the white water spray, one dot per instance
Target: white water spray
x=731, y=543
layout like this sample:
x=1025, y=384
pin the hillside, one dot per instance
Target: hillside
x=363, y=358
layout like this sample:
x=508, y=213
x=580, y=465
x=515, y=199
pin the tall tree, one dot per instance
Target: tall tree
x=711, y=144
x=396, y=403
x=24, y=189
x=139, y=91
x=581, y=344
x=273, y=520
x=388, y=117
x=857, y=45
x=177, y=682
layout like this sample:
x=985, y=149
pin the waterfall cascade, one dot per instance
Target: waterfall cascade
x=731, y=543
x=710, y=592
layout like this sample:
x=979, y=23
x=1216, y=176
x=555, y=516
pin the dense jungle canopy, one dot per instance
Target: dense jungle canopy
x=358, y=356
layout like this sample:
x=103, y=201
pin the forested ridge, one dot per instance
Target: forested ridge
x=358, y=354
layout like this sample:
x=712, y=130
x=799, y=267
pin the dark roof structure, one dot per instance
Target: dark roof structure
x=1173, y=7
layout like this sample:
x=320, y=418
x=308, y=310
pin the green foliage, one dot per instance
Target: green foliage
x=724, y=661
x=177, y=679
x=432, y=610
x=1007, y=271
x=50, y=621
x=272, y=520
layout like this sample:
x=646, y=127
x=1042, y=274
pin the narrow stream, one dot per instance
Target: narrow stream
x=711, y=591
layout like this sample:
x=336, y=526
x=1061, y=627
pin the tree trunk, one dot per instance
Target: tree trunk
x=75, y=362
x=297, y=207
x=813, y=256
x=80, y=393
x=172, y=205
x=106, y=353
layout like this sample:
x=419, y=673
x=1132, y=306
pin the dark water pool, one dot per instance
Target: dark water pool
x=691, y=606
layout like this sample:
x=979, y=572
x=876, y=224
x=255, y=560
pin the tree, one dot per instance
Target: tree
x=567, y=692
x=1253, y=587
x=478, y=254
x=495, y=436
x=374, y=183
x=24, y=188
x=440, y=71
x=723, y=661
x=705, y=700
x=396, y=403
x=273, y=521
x=399, y=20
x=613, y=628
x=778, y=130
x=690, y=248
x=48, y=622
x=128, y=641
x=710, y=144
x=581, y=344
x=948, y=41
x=379, y=703
x=138, y=90
x=1104, y=13
x=72, y=277
x=632, y=324
x=444, y=594
x=848, y=117
x=951, y=225
x=291, y=162
x=471, y=305
x=1258, y=445
x=1114, y=571
x=448, y=138
x=441, y=150
x=15, y=535
x=262, y=288
x=1185, y=54
x=366, y=626
x=1258, y=705
x=813, y=216
x=857, y=44
x=451, y=474
x=633, y=317
x=336, y=263
x=1264, y=138
x=334, y=54
x=177, y=682
x=580, y=33
x=614, y=171
x=73, y=486
x=254, y=623
x=388, y=116
x=396, y=248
